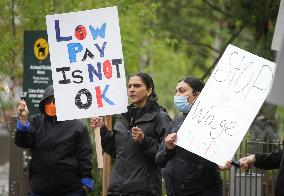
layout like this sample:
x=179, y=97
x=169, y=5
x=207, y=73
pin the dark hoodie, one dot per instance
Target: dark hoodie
x=47, y=93
x=61, y=151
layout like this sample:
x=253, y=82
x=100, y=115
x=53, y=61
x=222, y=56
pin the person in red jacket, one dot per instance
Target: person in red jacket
x=61, y=151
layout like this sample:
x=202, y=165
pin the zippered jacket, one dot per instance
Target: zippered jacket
x=134, y=170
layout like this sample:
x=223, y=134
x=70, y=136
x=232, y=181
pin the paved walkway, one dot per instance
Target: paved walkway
x=4, y=179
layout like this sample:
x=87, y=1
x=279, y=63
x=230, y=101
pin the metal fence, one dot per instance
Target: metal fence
x=255, y=182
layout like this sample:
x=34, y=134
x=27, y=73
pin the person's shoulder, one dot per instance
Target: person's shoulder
x=179, y=118
x=36, y=117
x=75, y=122
x=162, y=113
x=77, y=125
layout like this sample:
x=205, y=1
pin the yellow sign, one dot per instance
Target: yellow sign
x=41, y=49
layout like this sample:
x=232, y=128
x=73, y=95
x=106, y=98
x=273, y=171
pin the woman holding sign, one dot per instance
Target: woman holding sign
x=135, y=140
x=185, y=173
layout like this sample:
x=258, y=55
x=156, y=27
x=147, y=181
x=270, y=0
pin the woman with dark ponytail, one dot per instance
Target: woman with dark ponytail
x=135, y=140
x=185, y=173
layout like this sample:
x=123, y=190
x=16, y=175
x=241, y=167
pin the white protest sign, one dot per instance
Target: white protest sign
x=87, y=63
x=227, y=105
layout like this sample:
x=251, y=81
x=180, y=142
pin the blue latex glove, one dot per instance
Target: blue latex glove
x=89, y=183
x=23, y=127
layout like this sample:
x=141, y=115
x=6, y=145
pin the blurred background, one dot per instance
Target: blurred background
x=168, y=39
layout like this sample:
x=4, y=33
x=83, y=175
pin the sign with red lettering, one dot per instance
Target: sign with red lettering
x=87, y=63
x=230, y=100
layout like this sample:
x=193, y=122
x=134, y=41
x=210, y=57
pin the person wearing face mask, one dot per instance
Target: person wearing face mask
x=135, y=140
x=61, y=151
x=185, y=173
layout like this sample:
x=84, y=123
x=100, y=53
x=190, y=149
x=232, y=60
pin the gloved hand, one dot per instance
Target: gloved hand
x=88, y=184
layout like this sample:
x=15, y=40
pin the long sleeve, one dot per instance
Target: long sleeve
x=107, y=141
x=151, y=145
x=268, y=161
x=164, y=155
x=83, y=152
x=25, y=135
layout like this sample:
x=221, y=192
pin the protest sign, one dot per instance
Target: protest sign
x=227, y=105
x=87, y=63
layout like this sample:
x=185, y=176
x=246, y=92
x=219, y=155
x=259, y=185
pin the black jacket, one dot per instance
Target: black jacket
x=274, y=160
x=186, y=173
x=61, y=152
x=134, y=170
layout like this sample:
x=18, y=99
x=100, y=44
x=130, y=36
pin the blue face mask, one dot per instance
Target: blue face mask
x=181, y=104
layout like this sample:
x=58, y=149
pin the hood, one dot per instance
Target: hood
x=47, y=93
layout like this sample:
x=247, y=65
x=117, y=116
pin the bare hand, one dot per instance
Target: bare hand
x=23, y=111
x=247, y=162
x=137, y=134
x=96, y=122
x=170, y=141
x=227, y=166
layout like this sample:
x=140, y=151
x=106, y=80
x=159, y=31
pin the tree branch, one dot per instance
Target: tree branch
x=204, y=45
x=217, y=8
x=234, y=36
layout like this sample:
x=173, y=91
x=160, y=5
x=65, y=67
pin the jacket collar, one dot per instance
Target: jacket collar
x=52, y=119
x=147, y=113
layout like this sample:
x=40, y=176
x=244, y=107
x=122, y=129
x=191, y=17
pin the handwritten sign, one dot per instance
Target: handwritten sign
x=227, y=105
x=87, y=63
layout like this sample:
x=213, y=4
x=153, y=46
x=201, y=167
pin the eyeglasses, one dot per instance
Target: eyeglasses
x=50, y=99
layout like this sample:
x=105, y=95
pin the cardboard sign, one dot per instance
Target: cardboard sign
x=87, y=63
x=226, y=107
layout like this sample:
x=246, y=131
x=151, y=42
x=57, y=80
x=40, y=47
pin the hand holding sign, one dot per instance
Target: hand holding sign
x=247, y=162
x=96, y=122
x=170, y=141
x=227, y=105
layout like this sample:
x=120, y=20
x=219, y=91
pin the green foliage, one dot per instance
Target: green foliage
x=168, y=39
x=280, y=121
x=7, y=105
